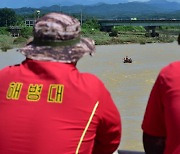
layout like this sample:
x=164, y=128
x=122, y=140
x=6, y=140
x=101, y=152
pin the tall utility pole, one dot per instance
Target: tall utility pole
x=81, y=17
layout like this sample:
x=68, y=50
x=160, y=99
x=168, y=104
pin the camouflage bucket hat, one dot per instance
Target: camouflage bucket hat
x=57, y=38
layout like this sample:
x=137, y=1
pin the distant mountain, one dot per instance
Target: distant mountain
x=46, y=3
x=157, y=1
x=164, y=5
x=144, y=10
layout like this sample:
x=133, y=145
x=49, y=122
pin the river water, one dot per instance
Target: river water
x=129, y=84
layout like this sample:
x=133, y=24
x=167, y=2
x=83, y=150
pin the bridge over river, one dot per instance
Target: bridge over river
x=107, y=24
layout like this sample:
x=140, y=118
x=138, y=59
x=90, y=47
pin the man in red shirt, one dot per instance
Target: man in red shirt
x=161, y=125
x=47, y=106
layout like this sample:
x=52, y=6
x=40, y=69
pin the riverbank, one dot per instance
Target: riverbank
x=120, y=35
x=102, y=38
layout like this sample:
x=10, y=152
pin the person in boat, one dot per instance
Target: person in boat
x=130, y=60
x=47, y=106
x=127, y=60
x=161, y=122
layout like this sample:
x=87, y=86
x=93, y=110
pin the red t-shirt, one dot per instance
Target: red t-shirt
x=162, y=116
x=52, y=108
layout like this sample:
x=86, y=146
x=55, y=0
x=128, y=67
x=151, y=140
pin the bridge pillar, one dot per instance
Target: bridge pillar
x=106, y=28
x=151, y=31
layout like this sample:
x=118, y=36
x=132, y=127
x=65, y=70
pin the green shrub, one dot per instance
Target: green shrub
x=6, y=42
x=89, y=31
x=113, y=33
x=6, y=47
x=19, y=40
x=26, y=32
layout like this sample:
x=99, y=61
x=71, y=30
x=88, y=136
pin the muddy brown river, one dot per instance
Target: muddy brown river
x=129, y=84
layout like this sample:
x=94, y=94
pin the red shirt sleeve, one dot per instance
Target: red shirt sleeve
x=154, y=123
x=109, y=130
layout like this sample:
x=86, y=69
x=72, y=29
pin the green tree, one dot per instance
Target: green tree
x=91, y=23
x=7, y=17
x=90, y=26
x=20, y=20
